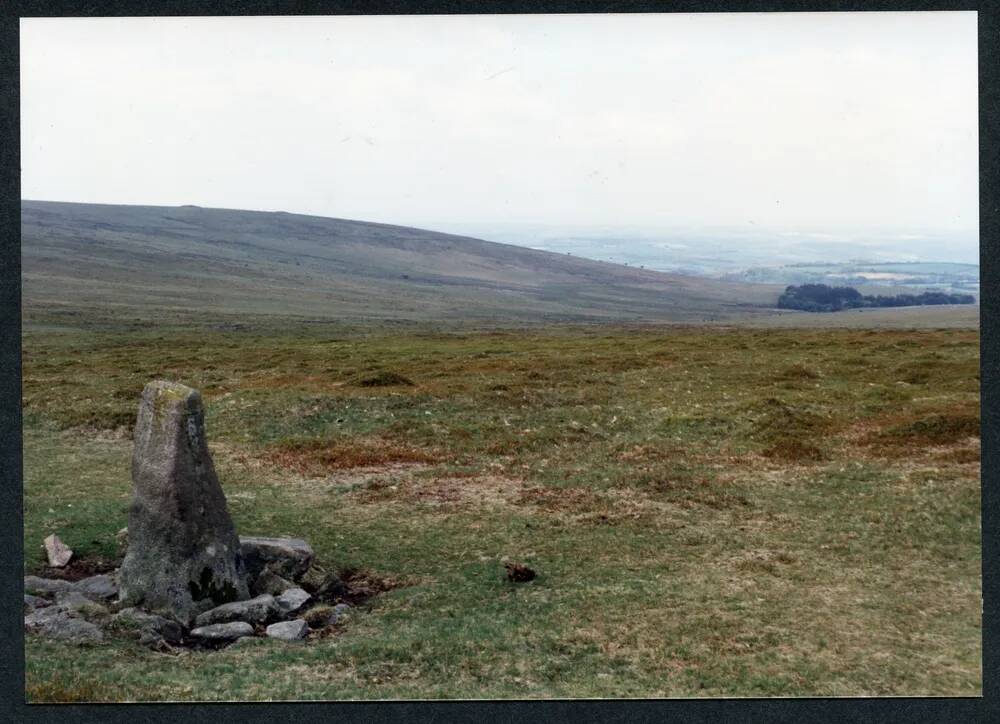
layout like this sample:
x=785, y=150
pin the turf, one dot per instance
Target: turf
x=710, y=512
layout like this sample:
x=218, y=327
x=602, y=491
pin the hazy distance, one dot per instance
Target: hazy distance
x=832, y=126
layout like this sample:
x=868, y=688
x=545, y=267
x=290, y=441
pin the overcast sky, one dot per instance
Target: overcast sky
x=816, y=120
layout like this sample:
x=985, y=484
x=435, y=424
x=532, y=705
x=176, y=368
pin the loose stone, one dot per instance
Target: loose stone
x=76, y=601
x=223, y=631
x=288, y=630
x=57, y=552
x=292, y=600
x=270, y=582
x=59, y=623
x=287, y=557
x=149, y=626
x=102, y=586
x=33, y=602
x=256, y=610
x=45, y=586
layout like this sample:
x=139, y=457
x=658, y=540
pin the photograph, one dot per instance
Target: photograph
x=577, y=356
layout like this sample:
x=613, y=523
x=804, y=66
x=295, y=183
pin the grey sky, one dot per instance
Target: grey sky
x=777, y=120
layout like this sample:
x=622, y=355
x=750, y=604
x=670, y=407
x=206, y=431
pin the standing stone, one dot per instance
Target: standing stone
x=182, y=546
x=57, y=552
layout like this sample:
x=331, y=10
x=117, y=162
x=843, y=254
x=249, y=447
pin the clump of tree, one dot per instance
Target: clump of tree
x=823, y=298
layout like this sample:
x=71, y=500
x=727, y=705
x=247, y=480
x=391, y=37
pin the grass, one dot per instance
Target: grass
x=710, y=512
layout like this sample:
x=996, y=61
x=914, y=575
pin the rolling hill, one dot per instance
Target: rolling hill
x=154, y=262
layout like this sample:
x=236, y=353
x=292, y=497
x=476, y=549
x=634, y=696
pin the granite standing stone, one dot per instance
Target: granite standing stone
x=182, y=545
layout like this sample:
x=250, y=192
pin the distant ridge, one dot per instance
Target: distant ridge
x=154, y=261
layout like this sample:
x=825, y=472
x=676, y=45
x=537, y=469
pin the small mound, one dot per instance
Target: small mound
x=793, y=449
x=937, y=429
x=776, y=419
x=798, y=372
x=384, y=379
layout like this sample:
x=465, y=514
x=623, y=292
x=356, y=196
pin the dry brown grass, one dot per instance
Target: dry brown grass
x=319, y=456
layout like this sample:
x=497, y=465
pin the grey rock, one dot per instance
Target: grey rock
x=102, y=586
x=76, y=601
x=256, y=610
x=223, y=631
x=270, y=582
x=341, y=608
x=45, y=586
x=33, y=602
x=287, y=557
x=151, y=627
x=56, y=551
x=182, y=545
x=60, y=623
x=288, y=630
x=292, y=600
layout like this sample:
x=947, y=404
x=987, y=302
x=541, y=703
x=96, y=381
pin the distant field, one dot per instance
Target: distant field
x=711, y=511
x=945, y=316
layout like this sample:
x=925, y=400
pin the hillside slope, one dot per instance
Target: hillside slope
x=150, y=262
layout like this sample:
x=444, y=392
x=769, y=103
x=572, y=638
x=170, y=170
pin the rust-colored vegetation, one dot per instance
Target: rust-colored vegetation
x=311, y=457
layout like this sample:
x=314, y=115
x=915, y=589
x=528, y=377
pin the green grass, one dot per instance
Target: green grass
x=711, y=512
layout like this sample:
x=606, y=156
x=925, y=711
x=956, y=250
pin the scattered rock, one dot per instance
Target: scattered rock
x=182, y=545
x=288, y=630
x=292, y=600
x=76, y=601
x=33, y=602
x=45, y=586
x=223, y=631
x=518, y=572
x=60, y=623
x=286, y=557
x=270, y=582
x=101, y=586
x=256, y=610
x=151, y=628
x=57, y=552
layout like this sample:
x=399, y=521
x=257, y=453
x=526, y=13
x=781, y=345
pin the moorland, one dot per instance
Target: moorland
x=729, y=509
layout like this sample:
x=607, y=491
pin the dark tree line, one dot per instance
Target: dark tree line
x=823, y=298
